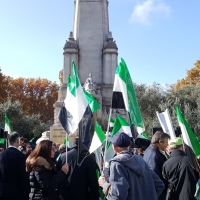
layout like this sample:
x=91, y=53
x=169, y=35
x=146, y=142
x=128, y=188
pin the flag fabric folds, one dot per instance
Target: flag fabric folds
x=111, y=122
x=66, y=121
x=7, y=127
x=75, y=104
x=2, y=140
x=120, y=125
x=98, y=138
x=166, y=123
x=92, y=101
x=124, y=96
x=188, y=136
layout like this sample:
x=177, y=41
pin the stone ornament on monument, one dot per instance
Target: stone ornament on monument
x=91, y=46
x=90, y=85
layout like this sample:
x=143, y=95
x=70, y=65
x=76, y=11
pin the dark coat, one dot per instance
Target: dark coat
x=187, y=176
x=155, y=160
x=44, y=181
x=82, y=183
x=13, y=180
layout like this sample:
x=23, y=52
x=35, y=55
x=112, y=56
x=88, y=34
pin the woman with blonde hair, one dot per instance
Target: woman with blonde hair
x=44, y=180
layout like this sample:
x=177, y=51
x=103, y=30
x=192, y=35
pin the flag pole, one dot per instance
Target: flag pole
x=132, y=126
x=80, y=134
x=107, y=132
x=67, y=142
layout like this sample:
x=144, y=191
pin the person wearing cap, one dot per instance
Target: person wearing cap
x=178, y=172
x=130, y=177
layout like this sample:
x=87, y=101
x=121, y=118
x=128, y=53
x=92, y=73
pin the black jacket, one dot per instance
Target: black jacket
x=82, y=183
x=13, y=179
x=187, y=177
x=44, y=181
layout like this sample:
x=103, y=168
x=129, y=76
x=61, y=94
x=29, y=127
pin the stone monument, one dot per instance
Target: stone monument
x=94, y=51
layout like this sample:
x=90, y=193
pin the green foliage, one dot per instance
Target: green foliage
x=156, y=98
x=27, y=126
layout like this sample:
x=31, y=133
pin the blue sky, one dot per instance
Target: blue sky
x=159, y=39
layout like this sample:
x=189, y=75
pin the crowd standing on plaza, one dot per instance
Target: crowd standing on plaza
x=45, y=171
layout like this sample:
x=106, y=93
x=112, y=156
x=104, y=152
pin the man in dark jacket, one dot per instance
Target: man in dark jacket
x=130, y=177
x=81, y=183
x=154, y=157
x=178, y=172
x=14, y=183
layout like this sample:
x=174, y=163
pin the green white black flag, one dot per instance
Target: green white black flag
x=124, y=96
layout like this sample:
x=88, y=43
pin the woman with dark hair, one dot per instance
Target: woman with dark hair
x=44, y=180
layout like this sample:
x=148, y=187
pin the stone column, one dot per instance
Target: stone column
x=70, y=54
x=110, y=53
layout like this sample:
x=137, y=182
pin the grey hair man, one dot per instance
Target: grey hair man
x=154, y=157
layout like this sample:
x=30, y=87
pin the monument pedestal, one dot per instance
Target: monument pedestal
x=91, y=46
x=57, y=134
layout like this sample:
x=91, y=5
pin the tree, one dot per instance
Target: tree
x=193, y=76
x=37, y=96
x=149, y=98
x=154, y=98
x=27, y=126
x=4, y=87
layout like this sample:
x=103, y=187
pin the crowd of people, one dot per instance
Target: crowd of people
x=161, y=171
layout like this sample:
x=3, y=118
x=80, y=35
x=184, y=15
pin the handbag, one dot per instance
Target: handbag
x=171, y=185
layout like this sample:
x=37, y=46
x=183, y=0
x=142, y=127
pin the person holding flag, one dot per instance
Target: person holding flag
x=81, y=182
x=82, y=174
x=130, y=177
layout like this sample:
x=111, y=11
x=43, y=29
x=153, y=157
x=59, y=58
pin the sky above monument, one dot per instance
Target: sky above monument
x=159, y=39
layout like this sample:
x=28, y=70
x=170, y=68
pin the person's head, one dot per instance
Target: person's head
x=160, y=139
x=13, y=139
x=141, y=151
x=21, y=141
x=120, y=142
x=28, y=148
x=57, y=146
x=43, y=149
x=25, y=142
x=82, y=147
x=54, y=144
x=1, y=149
x=62, y=148
x=176, y=143
x=22, y=149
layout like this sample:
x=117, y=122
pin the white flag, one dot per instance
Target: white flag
x=166, y=123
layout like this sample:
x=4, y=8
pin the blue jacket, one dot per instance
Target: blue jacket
x=155, y=160
x=131, y=178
